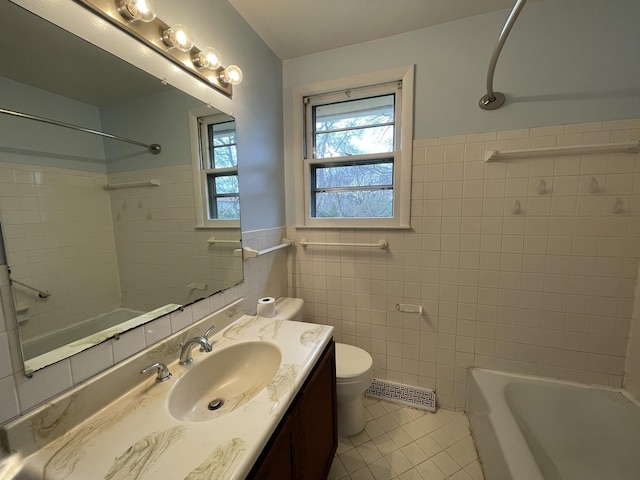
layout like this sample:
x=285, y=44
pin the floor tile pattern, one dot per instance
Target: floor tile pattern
x=404, y=443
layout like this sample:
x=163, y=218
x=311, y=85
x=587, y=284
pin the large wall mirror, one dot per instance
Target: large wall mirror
x=102, y=235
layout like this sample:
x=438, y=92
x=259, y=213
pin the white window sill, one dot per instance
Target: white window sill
x=213, y=227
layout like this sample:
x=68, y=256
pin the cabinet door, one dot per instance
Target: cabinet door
x=277, y=462
x=316, y=435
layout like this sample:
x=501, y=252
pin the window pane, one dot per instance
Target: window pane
x=223, y=145
x=354, y=127
x=355, y=204
x=226, y=184
x=355, y=113
x=224, y=157
x=376, y=174
x=224, y=133
x=354, y=142
x=228, y=208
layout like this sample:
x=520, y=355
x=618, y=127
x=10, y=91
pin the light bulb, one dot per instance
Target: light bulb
x=232, y=74
x=207, y=58
x=179, y=37
x=143, y=10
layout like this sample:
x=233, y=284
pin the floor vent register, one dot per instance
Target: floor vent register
x=416, y=397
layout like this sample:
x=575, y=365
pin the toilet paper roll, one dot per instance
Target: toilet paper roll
x=267, y=307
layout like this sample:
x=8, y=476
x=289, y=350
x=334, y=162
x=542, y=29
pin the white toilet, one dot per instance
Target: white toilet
x=353, y=373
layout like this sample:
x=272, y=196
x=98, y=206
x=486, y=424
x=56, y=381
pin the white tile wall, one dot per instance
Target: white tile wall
x=159, y=251
x=264, y=276
x=548, y=291
x=64, y=232
x=49, y=218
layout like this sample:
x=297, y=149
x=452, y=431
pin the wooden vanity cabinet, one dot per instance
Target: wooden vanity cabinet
x=303, y=445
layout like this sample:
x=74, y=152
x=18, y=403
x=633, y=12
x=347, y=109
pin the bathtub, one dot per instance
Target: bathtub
x=529, y=428
x=46, y=343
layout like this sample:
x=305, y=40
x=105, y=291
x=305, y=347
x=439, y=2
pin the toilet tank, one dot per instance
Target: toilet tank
x=289, y=309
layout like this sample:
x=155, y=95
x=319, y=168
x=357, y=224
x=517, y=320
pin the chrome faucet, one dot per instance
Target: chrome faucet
x=185, y=353
x=163, y=372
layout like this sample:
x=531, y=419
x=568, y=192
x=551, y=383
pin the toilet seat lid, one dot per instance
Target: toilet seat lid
x=351, y=361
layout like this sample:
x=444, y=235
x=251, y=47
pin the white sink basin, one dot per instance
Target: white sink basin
x=223, y=381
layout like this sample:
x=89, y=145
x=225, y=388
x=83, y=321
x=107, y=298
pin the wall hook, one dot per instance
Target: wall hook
x=618, y=207
x=124, y=205
x=140, y=204
x=516, y=208
x=594, y=186
x=149, y=216
x=542, y=187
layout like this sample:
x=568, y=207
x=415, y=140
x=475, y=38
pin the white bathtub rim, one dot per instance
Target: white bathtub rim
x=513, y=448
x=70, y=328
x=539, y=378
x=53, y=356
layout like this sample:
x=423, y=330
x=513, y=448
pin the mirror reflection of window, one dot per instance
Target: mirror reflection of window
x=219, y=168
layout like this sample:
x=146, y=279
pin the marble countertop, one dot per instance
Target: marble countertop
x=135, y=437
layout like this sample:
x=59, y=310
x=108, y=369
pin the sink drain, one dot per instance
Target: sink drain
x=215, y=404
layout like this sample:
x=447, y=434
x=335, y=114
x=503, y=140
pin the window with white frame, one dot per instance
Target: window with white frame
x=218, y=171
x=356, y=155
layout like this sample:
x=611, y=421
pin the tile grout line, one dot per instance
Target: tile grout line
x=404, y=443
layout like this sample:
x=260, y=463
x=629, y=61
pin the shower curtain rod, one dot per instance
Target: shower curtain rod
x=494, y=100
x=153, y=148
x=41, y=293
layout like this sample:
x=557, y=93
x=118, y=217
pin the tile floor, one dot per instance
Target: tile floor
x=407, y=444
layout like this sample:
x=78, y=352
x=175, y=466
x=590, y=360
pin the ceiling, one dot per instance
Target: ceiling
x=293, y=28
x=331, y=24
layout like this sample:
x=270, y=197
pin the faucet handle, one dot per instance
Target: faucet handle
x=207, y=334
x=163, y=372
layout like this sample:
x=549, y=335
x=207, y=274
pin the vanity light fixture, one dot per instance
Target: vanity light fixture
x=179, y=37
x=138, y=18
x=208, y=58
x=142, y=10
x=231, y=75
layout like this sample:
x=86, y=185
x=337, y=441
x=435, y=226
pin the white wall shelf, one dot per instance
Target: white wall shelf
x=146, y=183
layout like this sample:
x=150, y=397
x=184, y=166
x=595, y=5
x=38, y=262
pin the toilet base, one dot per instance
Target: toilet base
x=351, y=416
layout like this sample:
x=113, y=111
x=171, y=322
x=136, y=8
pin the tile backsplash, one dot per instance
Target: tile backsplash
x=524, y=265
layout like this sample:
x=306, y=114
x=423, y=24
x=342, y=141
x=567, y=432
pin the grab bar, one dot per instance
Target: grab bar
x=213, y=240
x=252, y=253
x=41, y=293
x=494, y=100
x=380, y=244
